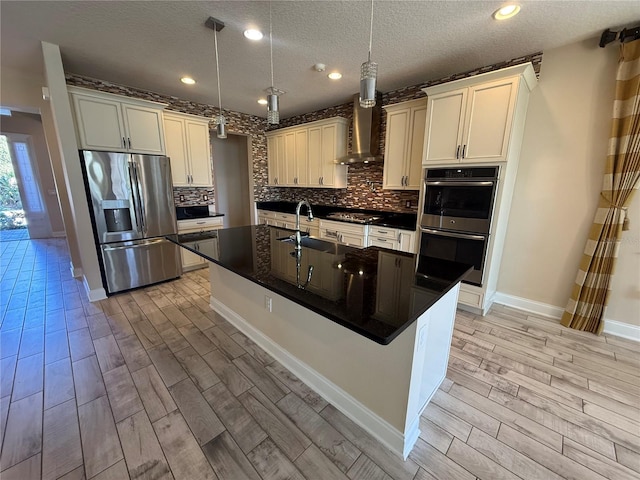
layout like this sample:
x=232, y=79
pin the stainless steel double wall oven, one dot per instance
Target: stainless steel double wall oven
x=456, y=215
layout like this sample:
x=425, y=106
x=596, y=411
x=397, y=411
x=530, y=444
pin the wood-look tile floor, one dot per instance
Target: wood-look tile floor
x=153, y=384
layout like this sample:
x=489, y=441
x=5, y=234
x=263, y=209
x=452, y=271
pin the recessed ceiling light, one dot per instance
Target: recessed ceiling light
x=262, y=101
x=188, y=80
x=335, y=75
x=506, y=11
x=253, y=34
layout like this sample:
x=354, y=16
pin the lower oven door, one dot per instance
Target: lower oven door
x=459, y=247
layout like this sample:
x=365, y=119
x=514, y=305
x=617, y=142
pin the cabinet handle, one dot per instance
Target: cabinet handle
x=458, y=152
x=464, y=149
x=382, y=231
x=321, y=180
x=124, y=143
x=129, y=143
x=381, y=239
x=399, y=236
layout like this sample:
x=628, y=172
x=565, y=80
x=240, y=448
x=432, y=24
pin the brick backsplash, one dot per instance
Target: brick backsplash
x=364, y=185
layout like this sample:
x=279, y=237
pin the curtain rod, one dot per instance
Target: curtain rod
x=625, y=35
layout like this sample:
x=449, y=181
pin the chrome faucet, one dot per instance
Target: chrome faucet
x=297, y=236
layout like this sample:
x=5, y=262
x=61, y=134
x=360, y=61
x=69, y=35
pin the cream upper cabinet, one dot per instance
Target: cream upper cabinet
x=187, y=139
x=305, y=155
x=404, y=144
x=115, y=123
x=276, y=160
x=471, y=120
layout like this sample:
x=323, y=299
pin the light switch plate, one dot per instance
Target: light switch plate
x=205, y=197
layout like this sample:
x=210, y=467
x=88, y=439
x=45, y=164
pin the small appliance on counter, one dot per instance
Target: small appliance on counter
x=132, y=209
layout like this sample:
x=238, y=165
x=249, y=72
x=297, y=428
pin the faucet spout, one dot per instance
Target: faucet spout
x=309, y=216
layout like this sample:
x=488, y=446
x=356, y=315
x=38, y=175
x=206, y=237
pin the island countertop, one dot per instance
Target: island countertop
x=373, y=291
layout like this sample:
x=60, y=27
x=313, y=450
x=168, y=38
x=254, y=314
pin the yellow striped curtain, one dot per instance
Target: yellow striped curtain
x=586, y=307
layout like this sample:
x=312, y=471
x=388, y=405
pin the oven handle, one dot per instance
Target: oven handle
x=459, y=184
x=466, y=236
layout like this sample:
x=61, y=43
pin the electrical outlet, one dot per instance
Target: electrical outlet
x=182, y=198
x=334, y=199
x=268, y=303
x=205, y=197
x=407, y=204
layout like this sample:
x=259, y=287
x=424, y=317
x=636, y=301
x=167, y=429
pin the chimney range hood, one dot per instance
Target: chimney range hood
x=365, y=140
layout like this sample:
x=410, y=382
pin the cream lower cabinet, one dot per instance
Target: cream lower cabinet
x=392, y=238
x=191, y=261
x=116, y=123
x=471, y=120
x=348, y=233
x=288, y=220
x=305, y=155
x=404, y=141
x=187, y=139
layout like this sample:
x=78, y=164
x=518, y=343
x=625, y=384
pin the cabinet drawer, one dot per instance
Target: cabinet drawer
x=383, y=232
x=198, y=224
x=344, y=227
x=473, y=299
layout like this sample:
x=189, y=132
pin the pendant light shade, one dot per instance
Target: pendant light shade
x=218, y=120
x=273, y=93
x=368, y=75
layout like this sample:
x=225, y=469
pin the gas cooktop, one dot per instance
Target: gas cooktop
x=353, y=217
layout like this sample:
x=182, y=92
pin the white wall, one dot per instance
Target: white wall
x=559, y=181
x=24, y=92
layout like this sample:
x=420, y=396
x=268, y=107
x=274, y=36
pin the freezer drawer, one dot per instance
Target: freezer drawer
x=138, y=263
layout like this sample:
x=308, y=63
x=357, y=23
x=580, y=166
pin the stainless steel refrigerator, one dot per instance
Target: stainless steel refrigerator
x=132, y=205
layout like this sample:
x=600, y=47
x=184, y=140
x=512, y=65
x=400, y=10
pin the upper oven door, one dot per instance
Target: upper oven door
x=458, y=205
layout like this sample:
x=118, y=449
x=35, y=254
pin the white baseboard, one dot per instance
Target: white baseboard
x=624, y=330
x=60, y=234
x=611, y=327
x=76, y=272
x=384, y=432
x=95, y=294
x=531, y=306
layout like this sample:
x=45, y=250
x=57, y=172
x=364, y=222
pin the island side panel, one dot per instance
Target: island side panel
x=375, y=375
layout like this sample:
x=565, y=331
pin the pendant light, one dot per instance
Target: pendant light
x=273, y=93
x=368, y=75
x=219, y=120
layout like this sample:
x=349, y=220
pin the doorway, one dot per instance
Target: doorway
x=233, y=194
x=26, y=210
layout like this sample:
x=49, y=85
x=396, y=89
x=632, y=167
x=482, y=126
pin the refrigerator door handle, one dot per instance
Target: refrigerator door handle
x=139, y=197
x=134, y=197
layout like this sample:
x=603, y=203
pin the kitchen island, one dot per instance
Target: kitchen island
x=368, y=329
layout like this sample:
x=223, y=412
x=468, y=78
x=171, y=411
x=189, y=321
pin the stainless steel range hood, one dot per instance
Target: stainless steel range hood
x=366, y=133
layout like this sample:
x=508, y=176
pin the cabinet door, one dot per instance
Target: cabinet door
x=99, y=124
x=301, y=155
x=281, y=167
x=190, y=260
x=413, y=166
x=445, y=114
x=197, y=134
x=314, y=156
x=488, y=123
x=144, y=129
x=176, y=150
x=407, y=241
x=272, y=160
x=351, y=239
x=291, y=171
x=397, y=137
x=328, y=155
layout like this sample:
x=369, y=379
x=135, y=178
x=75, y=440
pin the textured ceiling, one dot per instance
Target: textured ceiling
x=151, y=44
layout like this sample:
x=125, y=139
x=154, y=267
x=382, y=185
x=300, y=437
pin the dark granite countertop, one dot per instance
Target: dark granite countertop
x=373, y=291
x=196, y=211
x=404, y=221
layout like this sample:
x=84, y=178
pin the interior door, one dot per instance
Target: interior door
x=26, y=172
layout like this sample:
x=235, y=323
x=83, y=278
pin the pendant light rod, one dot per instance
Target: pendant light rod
x=219, y=119
x=271, y=42
x=215, y=36
x=371, y=31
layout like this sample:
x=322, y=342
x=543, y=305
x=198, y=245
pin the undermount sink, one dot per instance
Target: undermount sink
x=320, y=245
